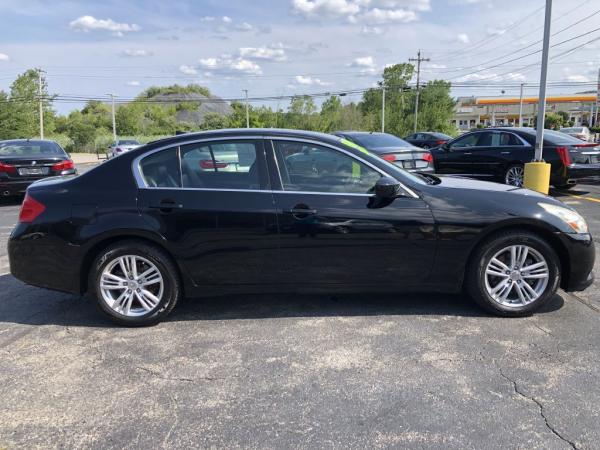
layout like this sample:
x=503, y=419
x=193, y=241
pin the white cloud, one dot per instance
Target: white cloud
x=437, y=66
x=495, y=31
x=132, y=83
x=207, y=19
x=309, y=81
x=188, y=70
x=379, y=16
x=135, y=53
x=371, y=30
x=273, y=53
x=578, y=78
x=490, y=76
x=244, y=26
x=514, y=76
x=226, y=19
x=325, y=8
x=4, y=57
x=365, y=63
x=229, y=64
x=463, y=38
x=361, y=11
x=90, y=23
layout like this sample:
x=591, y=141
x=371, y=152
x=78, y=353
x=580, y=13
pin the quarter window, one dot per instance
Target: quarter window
x=313, y=168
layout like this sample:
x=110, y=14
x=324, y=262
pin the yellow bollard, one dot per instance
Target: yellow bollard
x=537, y=177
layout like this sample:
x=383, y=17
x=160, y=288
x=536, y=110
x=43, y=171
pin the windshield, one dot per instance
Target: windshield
x=376, y=140
x=129, y=142
x=34, y=149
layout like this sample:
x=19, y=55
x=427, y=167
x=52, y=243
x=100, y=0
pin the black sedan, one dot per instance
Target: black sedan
x=23, y=161
x=392, y=149
x=499, y=154
x=428, y=139
x=141, y=231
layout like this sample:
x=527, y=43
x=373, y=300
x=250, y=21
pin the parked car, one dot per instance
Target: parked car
x=122, y=146
x=23, y=161
x=499, y=154
x=582, y=133
x=428, y=139
x=392, y=149
x=139, y=231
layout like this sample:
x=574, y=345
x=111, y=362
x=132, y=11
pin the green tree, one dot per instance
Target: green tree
x=331, y=114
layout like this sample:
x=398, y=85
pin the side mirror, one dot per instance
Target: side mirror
x=387, y=188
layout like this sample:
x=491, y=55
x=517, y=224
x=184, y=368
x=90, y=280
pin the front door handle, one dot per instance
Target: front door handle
x=467, y=153
x=301, y=212
x=505, y=153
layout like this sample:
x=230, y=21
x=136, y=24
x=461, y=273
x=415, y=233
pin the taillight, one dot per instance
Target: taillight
x=390, y=157
x=440, y=142
x=210, y=164
x=7, y=168
x=565, y=157
x=428, y=157
x=63, y=165
x=30, y=209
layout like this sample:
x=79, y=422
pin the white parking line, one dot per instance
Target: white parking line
x=4, y=266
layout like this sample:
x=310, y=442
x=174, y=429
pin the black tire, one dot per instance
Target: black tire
x=565, y=187
x=475, y=276
x=172, y=290
x=509, y=169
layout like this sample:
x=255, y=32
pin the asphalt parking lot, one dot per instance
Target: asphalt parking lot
x=290, y=370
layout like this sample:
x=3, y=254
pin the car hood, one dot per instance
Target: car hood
x=468, y=183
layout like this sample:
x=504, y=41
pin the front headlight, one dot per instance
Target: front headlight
x=568, y=216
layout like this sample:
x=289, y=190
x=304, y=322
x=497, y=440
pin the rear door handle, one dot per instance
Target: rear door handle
x=467, y=153
x=505, y=153
x=167, y=205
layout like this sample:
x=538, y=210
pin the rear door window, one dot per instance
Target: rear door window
x=161, y=169
x=221, y=165
x=467, y=141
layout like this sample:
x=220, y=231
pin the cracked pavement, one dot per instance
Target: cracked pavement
x=290, y=370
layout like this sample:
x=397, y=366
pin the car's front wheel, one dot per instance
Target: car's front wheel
x=513, y=274
x=135, y=283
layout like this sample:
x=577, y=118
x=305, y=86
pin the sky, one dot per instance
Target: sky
x=286, y=47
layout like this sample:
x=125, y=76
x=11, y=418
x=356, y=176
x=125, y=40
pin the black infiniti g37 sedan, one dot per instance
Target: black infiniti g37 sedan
x=257, y=210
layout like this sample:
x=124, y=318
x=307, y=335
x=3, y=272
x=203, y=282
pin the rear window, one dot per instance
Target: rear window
x=558, y=138
x=379, y=140
x=441, y=136
x=34, y=149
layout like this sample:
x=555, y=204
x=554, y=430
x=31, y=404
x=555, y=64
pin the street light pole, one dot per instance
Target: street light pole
x=114, y=121
x=521, y=106
x=537, y=173
x=247, y=111
x=383, y=108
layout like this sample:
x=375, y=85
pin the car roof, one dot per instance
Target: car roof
x=357, y=133
x=242, y=132
x=30, y=141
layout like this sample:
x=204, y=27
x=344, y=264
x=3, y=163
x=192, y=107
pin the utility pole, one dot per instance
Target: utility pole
x=419, y=60
x=537, y=172
x=41, y=102
x=114, y=122
x=247, y=111
x=383, y=108
x=597, y=100
x=521, y=106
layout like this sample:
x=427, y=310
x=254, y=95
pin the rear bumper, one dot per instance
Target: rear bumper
x=581, y=173
x=14, y=187
x=581, y=254
x=37, y=259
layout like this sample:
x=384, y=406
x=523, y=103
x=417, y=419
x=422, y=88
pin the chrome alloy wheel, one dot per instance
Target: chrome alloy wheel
x=514, y=176
x=516, y=276
x=131, y=285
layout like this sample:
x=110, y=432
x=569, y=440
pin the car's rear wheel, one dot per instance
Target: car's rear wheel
x=514, y=175
x=135, y=283
x=513, y=274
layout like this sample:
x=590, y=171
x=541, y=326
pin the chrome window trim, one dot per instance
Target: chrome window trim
x=141, y=184
x=257, y=191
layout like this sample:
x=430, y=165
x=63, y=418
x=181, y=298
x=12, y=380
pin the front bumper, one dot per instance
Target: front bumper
x=581, y=254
